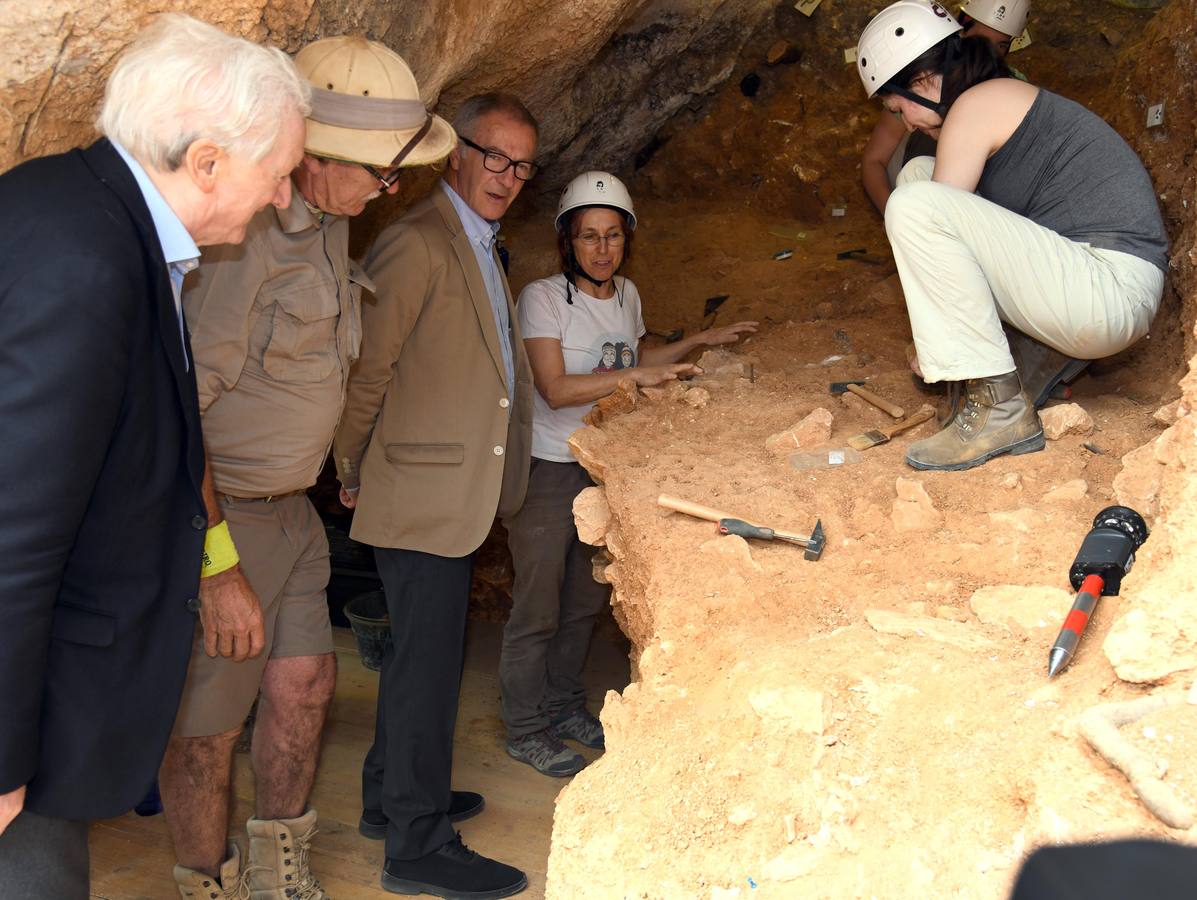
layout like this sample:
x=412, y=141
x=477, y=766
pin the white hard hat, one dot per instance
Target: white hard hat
x=1007, y=16
x=897, y=36
x=596, y=189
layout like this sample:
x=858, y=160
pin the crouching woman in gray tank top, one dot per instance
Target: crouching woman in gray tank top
x=582, y=330
x=1034, y=213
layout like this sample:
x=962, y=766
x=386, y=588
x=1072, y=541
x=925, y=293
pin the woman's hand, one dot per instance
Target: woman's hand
x=727, y=334
x=648, y=376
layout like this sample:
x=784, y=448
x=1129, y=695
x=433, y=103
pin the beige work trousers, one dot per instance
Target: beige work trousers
x=967, y=265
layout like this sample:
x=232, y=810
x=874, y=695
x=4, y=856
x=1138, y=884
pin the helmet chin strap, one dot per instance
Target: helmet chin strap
x=951, y=55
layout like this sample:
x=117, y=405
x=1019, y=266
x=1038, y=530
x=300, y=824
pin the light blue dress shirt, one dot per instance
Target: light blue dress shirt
x=178, y=248
x=482, y=235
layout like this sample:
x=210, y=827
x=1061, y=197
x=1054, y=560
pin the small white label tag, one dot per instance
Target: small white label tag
x=1021, y=42
x=835, y=457
x=849, y=54
x=807, y=7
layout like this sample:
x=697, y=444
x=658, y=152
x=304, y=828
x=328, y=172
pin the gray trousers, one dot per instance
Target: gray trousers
x=555, y=601
x=43, y=858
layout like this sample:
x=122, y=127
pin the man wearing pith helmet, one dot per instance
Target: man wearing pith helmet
x=276, y=325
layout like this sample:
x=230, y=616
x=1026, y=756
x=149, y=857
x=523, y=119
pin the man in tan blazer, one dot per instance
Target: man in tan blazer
x=437, y=435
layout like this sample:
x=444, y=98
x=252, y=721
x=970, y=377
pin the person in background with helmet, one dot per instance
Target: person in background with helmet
x=276, y=325
x=581, y=329
x=893, y=143
x=1034, y=212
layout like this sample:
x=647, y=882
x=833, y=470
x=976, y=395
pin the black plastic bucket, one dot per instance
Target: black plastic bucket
x=367, y=615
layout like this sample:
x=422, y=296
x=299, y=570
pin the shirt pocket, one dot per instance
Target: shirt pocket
x=358, y=280
x=303, y=336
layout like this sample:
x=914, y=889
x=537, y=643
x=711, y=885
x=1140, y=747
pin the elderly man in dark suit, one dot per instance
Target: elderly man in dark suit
x=437, y=435
x=104, y=523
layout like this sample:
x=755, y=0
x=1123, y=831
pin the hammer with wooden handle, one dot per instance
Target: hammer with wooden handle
x=856, y=387
x=728, y=524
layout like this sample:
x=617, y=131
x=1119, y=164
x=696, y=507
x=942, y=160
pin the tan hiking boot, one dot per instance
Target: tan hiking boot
x=996, y=418
x=278, y=851
x=202, y=886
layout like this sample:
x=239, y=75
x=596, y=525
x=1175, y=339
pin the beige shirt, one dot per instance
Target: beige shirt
x=275, y=325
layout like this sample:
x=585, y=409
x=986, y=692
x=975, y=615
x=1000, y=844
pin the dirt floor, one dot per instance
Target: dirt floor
x=877, y=723
x=783, y=733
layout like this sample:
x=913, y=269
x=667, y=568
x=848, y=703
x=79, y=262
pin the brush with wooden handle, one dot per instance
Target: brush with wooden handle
x=881, y=435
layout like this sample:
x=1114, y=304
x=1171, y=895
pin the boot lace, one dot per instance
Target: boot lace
x=306, y=886
x=458, y=851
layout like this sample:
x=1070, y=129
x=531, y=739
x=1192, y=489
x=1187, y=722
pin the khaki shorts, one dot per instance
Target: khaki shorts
x=284, y=554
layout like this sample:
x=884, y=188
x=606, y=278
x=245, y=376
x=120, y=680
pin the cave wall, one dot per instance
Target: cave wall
x=602, y=75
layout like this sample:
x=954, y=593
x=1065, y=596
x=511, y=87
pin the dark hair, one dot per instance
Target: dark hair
x=481, y=105
x=962, y=61
x=568, y=230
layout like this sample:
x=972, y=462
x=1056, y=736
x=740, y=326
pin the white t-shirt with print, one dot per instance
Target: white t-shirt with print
x=595, y=335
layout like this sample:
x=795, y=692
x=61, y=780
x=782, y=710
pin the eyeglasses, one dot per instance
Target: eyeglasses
x=593, y=239
x=494, y=161
x=385, y=179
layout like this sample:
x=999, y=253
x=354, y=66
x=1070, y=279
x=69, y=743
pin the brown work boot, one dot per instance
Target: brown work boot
x=278, y=852
x=996, y=418
x=1043, y=370
x=202, y=886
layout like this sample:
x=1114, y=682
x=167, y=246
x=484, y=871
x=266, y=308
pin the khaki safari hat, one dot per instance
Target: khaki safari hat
x=366, y=106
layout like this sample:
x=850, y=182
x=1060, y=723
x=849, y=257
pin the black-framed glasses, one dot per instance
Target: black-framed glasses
x=494, y=161
x=385, y=179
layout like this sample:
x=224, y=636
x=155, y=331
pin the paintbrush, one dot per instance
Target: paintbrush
x=881, y=435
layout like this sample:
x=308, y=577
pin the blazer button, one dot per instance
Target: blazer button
x=504, y=403
x=498, y=451
x=193, y=604
x=199, y=523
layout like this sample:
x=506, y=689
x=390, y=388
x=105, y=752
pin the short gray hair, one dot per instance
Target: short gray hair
x=495, y=102
x=182, y=80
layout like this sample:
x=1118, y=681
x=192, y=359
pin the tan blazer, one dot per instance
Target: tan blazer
x=427, y=430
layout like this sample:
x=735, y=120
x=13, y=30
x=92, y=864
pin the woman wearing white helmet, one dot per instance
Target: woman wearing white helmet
x=1036, y=213
x=582, y=330
x=892, y=144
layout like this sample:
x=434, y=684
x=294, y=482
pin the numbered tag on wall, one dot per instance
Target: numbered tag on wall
x=1021, y=42
x=807, y=7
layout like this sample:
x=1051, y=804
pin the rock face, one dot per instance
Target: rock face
x=629, y=67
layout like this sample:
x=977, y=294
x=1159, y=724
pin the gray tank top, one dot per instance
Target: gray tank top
x=1067, y=170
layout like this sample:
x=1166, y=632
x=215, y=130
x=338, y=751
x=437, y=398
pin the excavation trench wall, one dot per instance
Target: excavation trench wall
x=865, y=725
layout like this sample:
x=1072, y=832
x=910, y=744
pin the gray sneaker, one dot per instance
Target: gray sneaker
x=544, y=752
x=579, y=725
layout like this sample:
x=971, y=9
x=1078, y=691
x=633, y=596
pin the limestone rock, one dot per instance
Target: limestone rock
x=742, y=814
x=1170, y=412
x=941, y=630
x=812, y=431
x=1011, y=481
x=1028, y=607
x=588, y=447
x=913, y=509
x=793, y=862
x=733, y=549
x=592, y=516
x=619, y=401
x=1023, y=521
x=697, y=397
x=798, y=708
x=1138, y=484
x=1067, y=418
x=1068, y=492
x=1155, y=639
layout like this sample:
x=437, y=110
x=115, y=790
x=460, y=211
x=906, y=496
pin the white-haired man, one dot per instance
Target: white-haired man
x=103, y=523
x=275, y=326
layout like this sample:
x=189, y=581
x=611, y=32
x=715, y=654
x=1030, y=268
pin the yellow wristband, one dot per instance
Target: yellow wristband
x=219, y=553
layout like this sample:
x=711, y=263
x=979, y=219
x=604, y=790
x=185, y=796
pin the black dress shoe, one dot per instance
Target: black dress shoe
x=454, y=872
x=462, y=805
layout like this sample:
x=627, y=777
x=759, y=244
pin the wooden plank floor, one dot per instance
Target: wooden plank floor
x=131, y=857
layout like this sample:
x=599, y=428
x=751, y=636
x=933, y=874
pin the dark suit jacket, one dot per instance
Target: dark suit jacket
x=101, y=517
